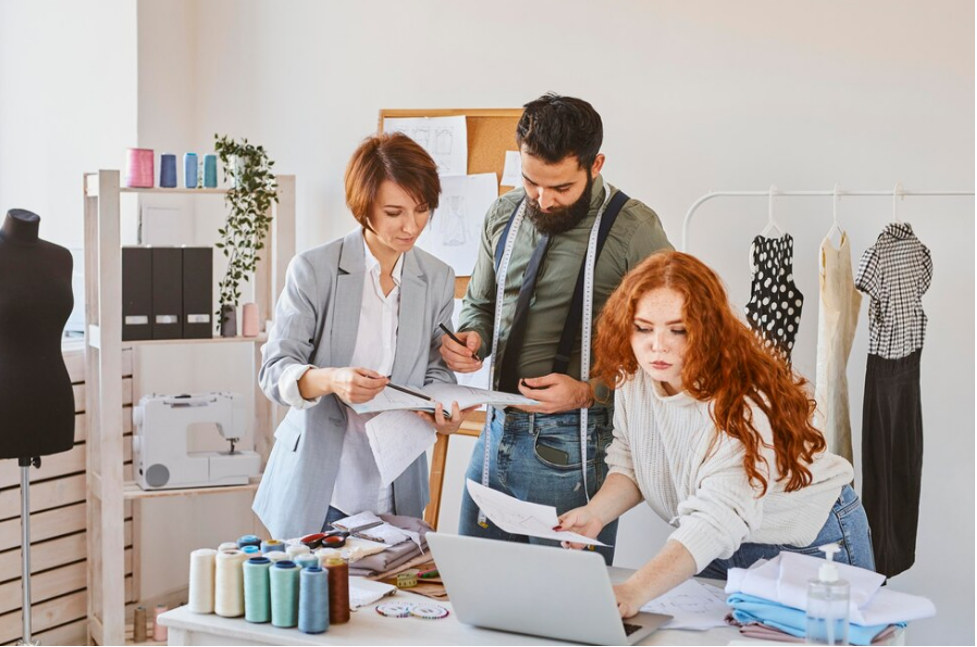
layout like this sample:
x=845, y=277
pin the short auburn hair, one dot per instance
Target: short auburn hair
x=395, y=157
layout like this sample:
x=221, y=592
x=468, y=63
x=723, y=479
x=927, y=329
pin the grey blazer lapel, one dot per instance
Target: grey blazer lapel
x=412, y=338
x=348, y=299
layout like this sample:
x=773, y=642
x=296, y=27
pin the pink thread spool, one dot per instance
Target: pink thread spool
x=249, y=327
x=159, y=631
x=140, y=172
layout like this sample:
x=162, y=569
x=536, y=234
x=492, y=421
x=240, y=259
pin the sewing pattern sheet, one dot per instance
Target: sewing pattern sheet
x=480, y=378
x=397, y=438
x=444, y=138
x=454, y=231
x=692, y=605
x=512, y=170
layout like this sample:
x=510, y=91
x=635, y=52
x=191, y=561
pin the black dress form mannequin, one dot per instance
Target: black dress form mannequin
x=37, y=405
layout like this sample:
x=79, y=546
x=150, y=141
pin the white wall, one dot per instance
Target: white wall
x=695, y=97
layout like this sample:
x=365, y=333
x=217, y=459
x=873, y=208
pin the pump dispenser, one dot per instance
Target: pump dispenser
x=827, y=603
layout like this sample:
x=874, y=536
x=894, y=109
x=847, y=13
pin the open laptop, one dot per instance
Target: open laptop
x=536, y=590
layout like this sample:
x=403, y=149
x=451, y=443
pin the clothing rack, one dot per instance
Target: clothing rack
x=774, y=192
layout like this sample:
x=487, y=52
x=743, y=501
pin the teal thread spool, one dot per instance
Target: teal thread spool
x=250, y=551
x=305, y=561
x=210, y=171
x=314, y=601
x=257, y=590
x=284, y=594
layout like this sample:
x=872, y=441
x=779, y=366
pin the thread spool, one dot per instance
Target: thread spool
x=248, y=540
x=202, y=567
x=229, y=584
x=306, y=561
x=251, y=551
x=285, y=594
x=257, y=589
x=167, y=171
x=314, y=601
x=227, y=545
x=325, y=553
x=338, y=571
x=277, y=556
x=295, y=550
x=210, y=171
x=249, y=320
x=272, y=545
x=139, y=625
x=190, y=170
x=140, y=172
x=159, y=631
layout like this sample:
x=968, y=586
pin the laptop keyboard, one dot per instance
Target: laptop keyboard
x=630, y=628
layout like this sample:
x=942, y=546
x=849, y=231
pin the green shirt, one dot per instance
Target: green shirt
x=636, y=234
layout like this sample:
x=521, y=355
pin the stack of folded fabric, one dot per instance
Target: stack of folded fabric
x=773, y=594
x=405, y=536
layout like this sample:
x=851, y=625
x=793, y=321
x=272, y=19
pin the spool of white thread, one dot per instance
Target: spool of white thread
x=277, y=556
x=297, y=549
x=202, y=572
x=227, y=545
x=229, y=584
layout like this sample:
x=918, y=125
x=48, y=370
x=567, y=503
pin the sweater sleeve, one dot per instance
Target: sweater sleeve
x=619, y=453
x=725, y=507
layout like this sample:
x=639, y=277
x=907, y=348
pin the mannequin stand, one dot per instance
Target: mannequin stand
x=25, y=544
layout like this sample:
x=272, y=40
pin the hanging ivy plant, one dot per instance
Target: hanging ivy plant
x=253, y=190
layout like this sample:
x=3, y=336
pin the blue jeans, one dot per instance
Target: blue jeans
x=333, y=515
x=847, y=526
x=526, y=462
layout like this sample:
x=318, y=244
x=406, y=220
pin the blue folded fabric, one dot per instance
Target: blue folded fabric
x=749, y=608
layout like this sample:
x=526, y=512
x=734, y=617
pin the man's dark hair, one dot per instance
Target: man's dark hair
x=552, y=127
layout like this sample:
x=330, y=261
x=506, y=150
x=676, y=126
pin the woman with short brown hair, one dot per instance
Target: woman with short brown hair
x=356, y=314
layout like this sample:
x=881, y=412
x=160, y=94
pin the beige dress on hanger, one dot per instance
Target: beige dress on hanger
x=837, y=318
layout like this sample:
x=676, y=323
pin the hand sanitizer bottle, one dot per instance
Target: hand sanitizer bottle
x=827, y=604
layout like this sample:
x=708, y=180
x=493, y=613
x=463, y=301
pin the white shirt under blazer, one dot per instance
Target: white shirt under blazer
x=317, y=323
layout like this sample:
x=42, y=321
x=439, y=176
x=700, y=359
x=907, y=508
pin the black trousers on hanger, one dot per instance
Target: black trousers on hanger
x=892, y=459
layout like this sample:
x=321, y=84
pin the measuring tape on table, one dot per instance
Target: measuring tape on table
x=410, y=609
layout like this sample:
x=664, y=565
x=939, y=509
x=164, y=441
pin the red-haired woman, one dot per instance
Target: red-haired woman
x=714, y=432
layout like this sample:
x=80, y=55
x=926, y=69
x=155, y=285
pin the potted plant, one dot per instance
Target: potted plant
x=252, y=192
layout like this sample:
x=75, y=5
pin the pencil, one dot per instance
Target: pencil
x=457, y=341
x=416, y=394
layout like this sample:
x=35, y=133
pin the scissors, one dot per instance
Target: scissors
x=336, y=538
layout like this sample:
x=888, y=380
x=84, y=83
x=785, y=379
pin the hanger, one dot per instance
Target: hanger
x=772, y=225
x=896, y=193
x=835, y=227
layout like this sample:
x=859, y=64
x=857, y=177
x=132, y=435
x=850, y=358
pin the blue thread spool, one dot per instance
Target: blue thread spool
x=167, y=171
x=210, y=171
x=314, y=601
x=272, y=545
x=305, y=561
x=190, y=168
x=285, y=594
x=257, y=589
x=249, y=540
x=250, y=550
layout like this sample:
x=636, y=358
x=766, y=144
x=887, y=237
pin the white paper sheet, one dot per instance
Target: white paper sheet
x=397, y=438
x=466, y=396
x=454, y=230
x=480, y=378
x=521, y=517
x=512, y=171
x=444, y=138
x=692, y=605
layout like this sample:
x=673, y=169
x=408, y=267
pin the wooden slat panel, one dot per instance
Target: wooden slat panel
x=50, y=524
x=50, y=584
x=79, y=392
x=73, y=633
x=62, y=464
x=74, y=361
x=53, y=613
x=50, y=494
x=50, y=554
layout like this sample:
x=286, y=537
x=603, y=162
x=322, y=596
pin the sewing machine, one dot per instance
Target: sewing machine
x=160, y=446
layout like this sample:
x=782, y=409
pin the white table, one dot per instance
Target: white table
x=367, y=627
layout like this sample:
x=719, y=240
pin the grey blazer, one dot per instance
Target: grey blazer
x=316, y=322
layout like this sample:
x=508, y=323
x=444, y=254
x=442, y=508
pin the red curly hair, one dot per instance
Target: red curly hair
x=725, y=364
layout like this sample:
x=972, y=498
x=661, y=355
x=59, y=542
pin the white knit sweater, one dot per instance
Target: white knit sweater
x=662, y=443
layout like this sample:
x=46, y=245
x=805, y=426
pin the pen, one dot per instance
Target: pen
x=416, y=394
x=457, y=341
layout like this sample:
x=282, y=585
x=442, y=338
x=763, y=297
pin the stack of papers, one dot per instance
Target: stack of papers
x=692, y=605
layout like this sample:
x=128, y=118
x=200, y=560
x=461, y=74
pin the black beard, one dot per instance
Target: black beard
x=560, y=220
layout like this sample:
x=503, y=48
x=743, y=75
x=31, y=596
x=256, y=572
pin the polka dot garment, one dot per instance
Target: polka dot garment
x=774, y=310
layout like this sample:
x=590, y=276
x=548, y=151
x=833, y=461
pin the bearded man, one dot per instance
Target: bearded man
x=539, y=240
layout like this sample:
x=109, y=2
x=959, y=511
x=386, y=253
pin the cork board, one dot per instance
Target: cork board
x=491, y=132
